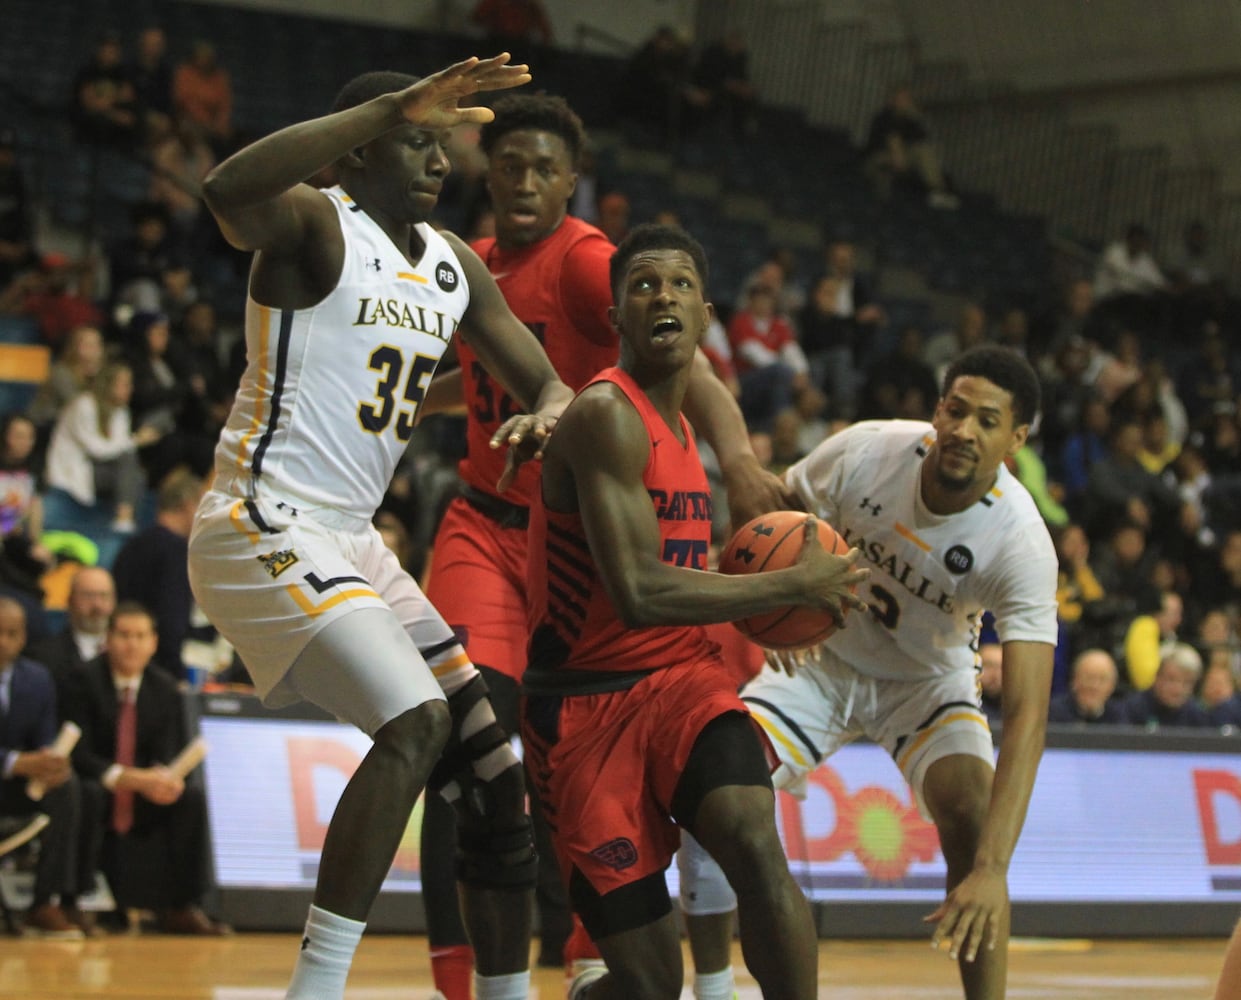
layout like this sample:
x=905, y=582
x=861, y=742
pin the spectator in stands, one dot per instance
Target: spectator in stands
x=655, y=92
x=1209, y=382
x=1217, y=693
x=1127, y=267
x=150, y=272
x=771, y=366
x=1217, y=577
x=512, y=25
x=28, y=726
x=198, y=363
x=1159, y=449
x=1118, y=369
x=1169, y=701
x=991, y=681
x=722, y=73
x=23, y=557
x=1149, y=636
x=1027, y=465
x=150, y=568
x=1083, y=450
x=1013, y=330
x=59, y=294
x=202, y=91
x=150, y=73
x=81, y=358
x=1066, y=390
x=899, y=151
x=1123, y=566
x=1197, y=265
x=159, y=401
x=719, y=352
x=94, y=451
x=1091, y=686
x=969, y=331
x=778, y=269
x=105, y=109
x=900, y=384
x=1120, y=488
x=179, y=162
x=92, y=599
x=1217, y=640
x=17, y=248
x=838, y=325
x=155, y=849
x=614, y=215
x=1088, y=617
x=1073, y=320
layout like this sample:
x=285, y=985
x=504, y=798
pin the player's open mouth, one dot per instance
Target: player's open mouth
x=664, y=327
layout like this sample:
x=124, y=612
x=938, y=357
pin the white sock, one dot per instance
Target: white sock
x=714, y=985
x=327, y=951
x=514, y=986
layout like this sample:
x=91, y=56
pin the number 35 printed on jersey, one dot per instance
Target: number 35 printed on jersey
x=390, y=363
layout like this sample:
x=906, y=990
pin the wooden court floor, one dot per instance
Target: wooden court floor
x=394, y=967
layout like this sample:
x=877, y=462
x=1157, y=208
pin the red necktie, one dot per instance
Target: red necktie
x=126, y=738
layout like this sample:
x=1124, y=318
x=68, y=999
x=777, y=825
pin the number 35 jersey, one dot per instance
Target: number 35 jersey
x=932, y=576
x=327, y=402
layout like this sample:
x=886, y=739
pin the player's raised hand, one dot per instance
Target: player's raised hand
x=432, y=102
x=753, y=490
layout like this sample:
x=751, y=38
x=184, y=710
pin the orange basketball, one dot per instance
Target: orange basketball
x=773, y=541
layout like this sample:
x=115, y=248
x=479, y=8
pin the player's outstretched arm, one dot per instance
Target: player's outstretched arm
x=711, y=408
x=601, y=448
x=255, y=194
x=513, y=355
x=972, y=915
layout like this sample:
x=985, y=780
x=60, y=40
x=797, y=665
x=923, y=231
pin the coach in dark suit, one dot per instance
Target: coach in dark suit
x=155, y=851
x=28, y=727
x=92, y=599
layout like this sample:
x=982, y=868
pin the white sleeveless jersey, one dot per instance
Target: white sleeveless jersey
x=932, y=576
x=326, y=405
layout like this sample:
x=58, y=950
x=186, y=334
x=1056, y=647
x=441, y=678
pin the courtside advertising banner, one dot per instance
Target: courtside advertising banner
x=1104, y=826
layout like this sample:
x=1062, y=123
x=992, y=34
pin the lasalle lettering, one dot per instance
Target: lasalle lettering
x=394, y=312
x=682, y=505
x=901, y=571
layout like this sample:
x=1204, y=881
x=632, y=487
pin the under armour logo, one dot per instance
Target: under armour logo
x=874, y=508
x=373, y=265
x=745, y=555
x=305, y=942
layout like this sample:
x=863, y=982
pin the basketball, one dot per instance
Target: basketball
x=773, y=541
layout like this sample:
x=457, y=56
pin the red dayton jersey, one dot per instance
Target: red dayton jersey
x=573, y=622
x=559, y=288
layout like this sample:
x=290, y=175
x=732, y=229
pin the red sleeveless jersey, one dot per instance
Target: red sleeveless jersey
x=559, y=288
x=573, y=623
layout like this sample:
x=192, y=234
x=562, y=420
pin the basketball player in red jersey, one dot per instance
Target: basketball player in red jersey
x=553, y=271
x=632, y=724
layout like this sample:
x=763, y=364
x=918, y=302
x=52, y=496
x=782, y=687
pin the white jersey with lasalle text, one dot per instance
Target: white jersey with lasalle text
x=326, y=405
x=931, y=576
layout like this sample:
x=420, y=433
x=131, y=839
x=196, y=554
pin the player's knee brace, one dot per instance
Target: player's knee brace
x=481, y=776
x=704, y=888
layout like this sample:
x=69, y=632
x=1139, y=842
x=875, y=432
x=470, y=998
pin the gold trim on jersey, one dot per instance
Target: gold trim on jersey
x=257, y=421
x=777, y=736
x=235, y=514
x=910, y=536
x=314, y=610
x=451, y=664
x=410, y=276
x=974, y=716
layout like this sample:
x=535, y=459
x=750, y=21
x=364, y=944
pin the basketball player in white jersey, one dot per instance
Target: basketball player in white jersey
x=353, y=298
x=947, y=533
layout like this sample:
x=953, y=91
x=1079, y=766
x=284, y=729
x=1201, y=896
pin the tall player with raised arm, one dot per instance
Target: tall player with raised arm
x=352, y=301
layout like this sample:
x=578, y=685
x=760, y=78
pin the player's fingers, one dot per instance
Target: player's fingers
x=964, y=931
x=810, y=532
x=978, y=931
